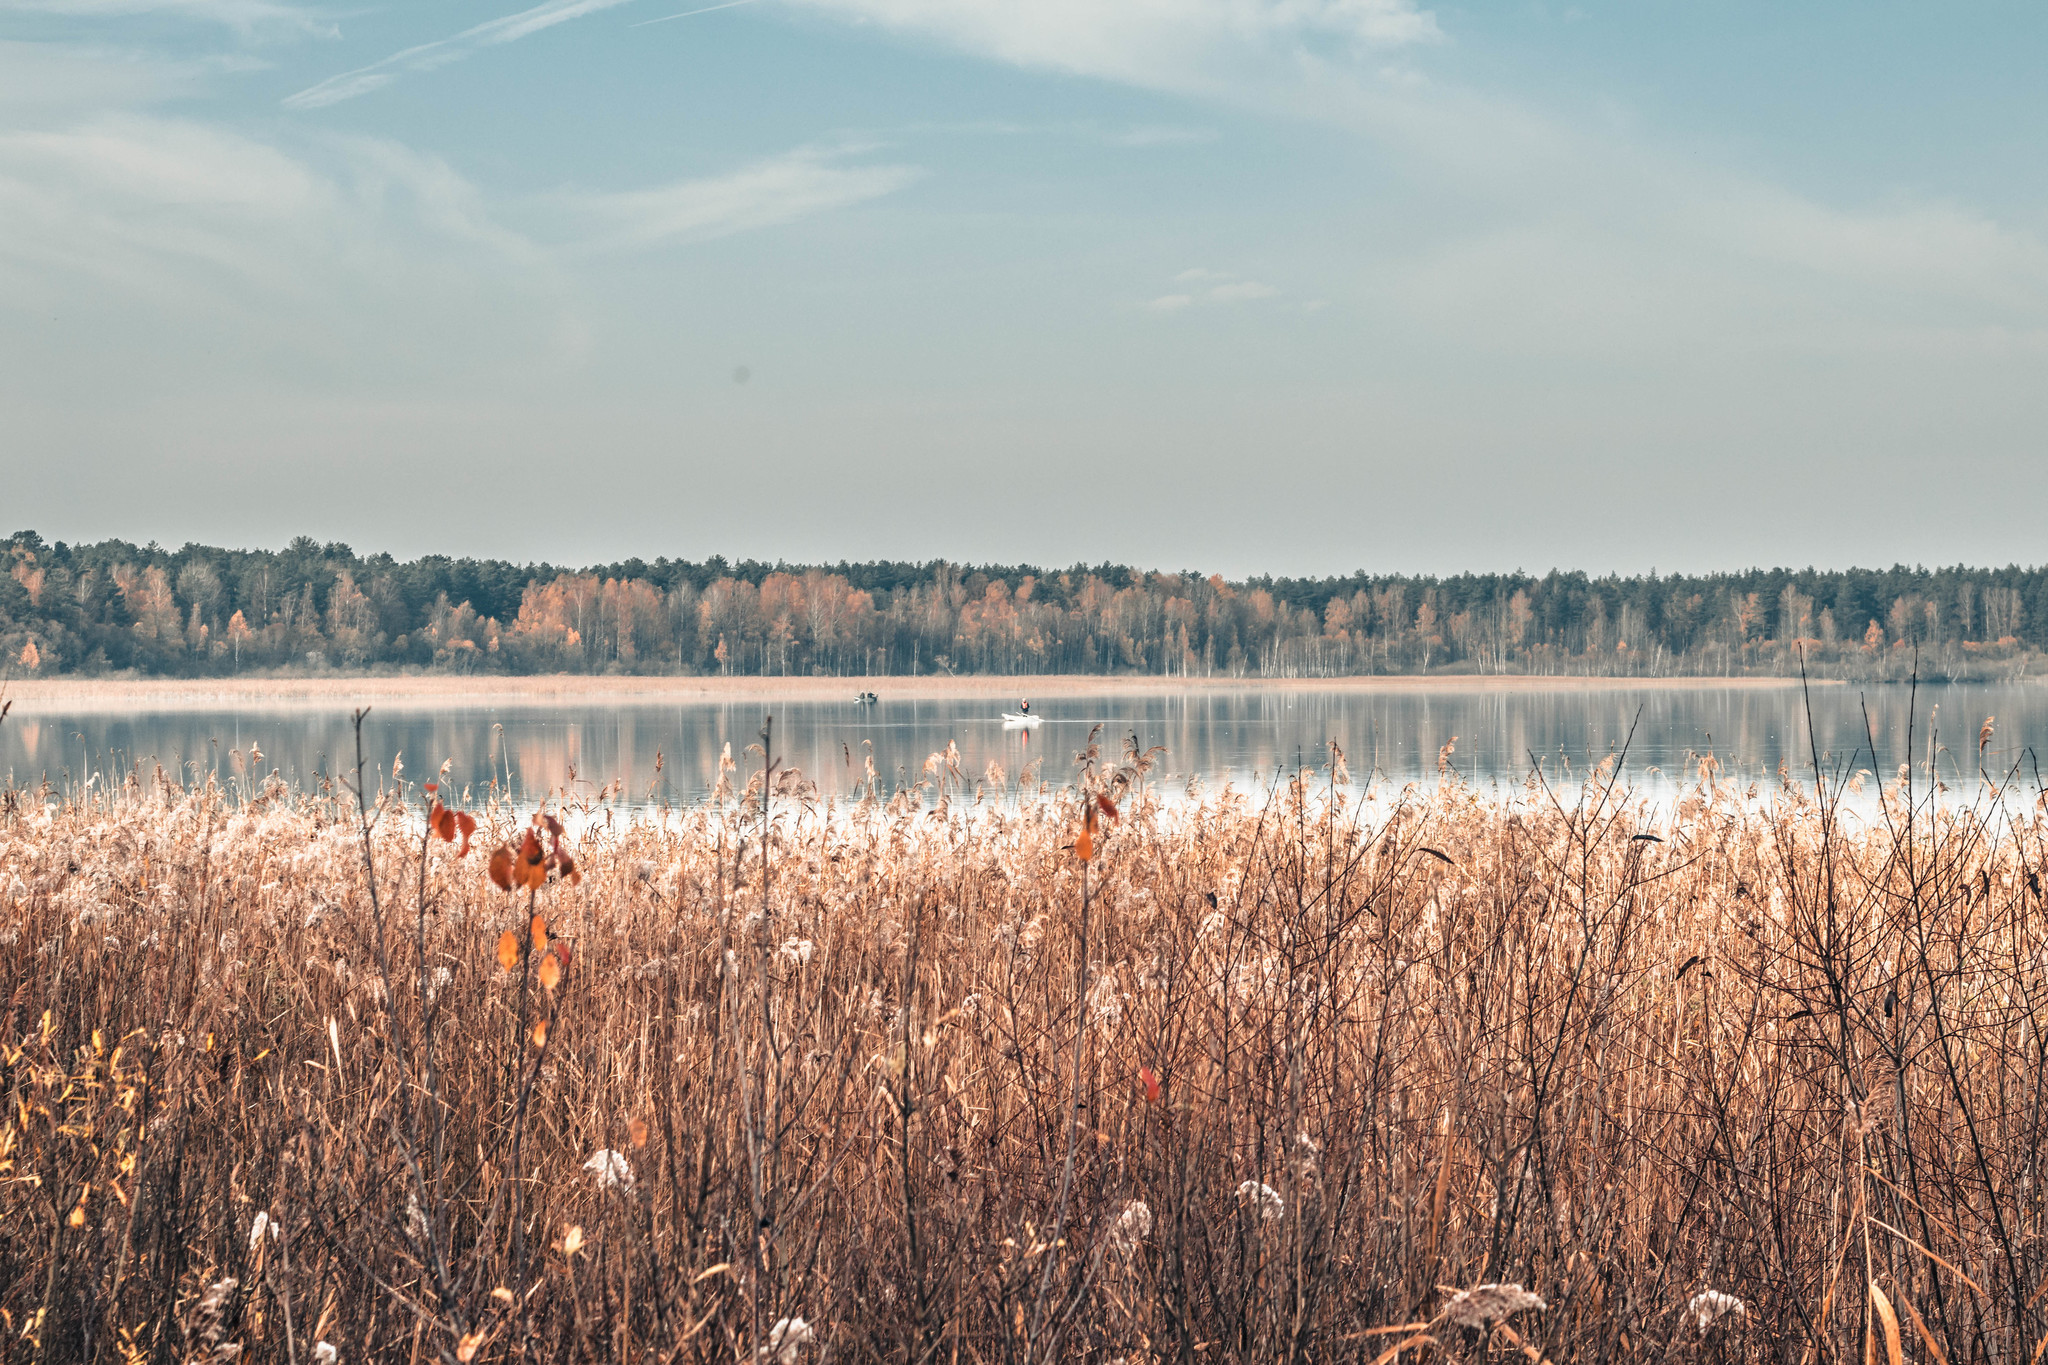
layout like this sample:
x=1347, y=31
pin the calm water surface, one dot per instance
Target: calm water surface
x=1243, y=736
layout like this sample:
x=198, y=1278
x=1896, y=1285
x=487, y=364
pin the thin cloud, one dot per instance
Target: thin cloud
x=1196, y=46
x=152, y=218
x=1210, y=287
x=445, y=51
x=67, y=76
x=779, y=190
x=1241, y=291
x=240, y=15
x=1160, y=136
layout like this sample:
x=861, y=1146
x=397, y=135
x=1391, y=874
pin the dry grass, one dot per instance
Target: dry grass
x=1268, y=1079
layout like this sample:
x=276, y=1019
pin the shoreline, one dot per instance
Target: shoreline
x=445, y=689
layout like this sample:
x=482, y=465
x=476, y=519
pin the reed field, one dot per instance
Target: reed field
x=1051, y=1066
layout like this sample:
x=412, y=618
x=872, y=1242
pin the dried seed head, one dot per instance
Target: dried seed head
x=1128, y=1231
x=611, y=1169
x=785, y=1339
x=1709, y=1306
x=208, y=1324
x=1271, y=1207
x=1484, y=1303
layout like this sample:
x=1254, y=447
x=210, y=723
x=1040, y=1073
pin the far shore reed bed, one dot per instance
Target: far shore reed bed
x=972, y=1074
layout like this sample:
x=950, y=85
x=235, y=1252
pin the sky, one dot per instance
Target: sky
x=1241, y=286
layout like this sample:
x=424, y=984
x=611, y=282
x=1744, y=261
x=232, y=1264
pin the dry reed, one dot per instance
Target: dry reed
x=1555, y=1077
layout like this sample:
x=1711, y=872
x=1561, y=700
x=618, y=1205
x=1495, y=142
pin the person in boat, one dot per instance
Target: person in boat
x=1024, y=707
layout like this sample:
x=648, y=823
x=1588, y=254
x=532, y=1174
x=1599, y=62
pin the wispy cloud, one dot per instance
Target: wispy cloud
x=1159, y=136
x=241, y=15
x=342, y=252
x=175, y=208
x=1201, y=285
x=52, y=76
x=1185, y=45
x=1241, y=291
x=781, y=189
x=445, y=51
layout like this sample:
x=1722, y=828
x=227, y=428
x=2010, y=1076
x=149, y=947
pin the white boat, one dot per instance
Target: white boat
x=1013, y=718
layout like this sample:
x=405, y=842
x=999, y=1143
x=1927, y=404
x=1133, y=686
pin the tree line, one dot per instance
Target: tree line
x=113, y=607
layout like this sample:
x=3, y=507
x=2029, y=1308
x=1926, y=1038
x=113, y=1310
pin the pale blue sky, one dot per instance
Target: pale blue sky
x=1246, y=285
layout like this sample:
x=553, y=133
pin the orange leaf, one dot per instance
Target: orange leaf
x=637, y=1131
x=466, y=823
x=550, y=972
x=537, y=930
x=1105, y=805
x=1149, y=1080
x=1084, y=842
x=441, y=820
x=431, y=787
x=532, y=869
x=501, y=869
x=508, y=950
x=540, y=1034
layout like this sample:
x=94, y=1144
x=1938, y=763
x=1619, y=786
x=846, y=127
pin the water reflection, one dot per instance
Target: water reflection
x=669, y=752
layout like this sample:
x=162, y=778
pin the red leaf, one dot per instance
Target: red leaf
x=1105, y=805
x=501, y=869
x=1148, y=1079
x=465, y=822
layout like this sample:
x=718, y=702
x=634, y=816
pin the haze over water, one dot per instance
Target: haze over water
x=552, y=750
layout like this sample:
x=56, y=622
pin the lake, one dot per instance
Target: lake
x=551, y=750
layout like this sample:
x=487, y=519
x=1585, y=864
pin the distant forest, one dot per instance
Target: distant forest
x=115, y=608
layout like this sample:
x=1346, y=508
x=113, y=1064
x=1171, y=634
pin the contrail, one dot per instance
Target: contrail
x=445, y=51
x=729, y=4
